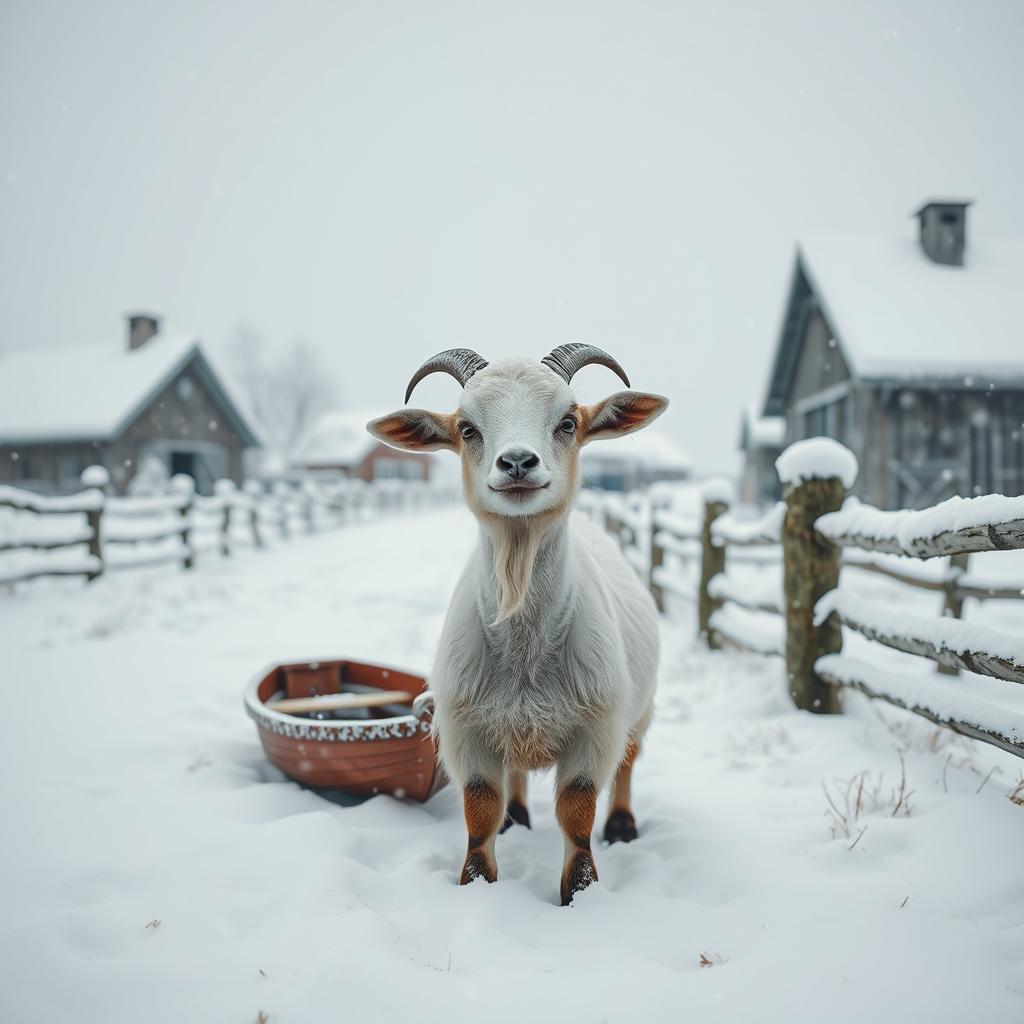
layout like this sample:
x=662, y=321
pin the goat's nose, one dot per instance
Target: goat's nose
x=517, y=462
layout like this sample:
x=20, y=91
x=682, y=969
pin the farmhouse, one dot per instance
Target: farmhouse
x=910, y=353
x=339, y=445
x=119, y=406
x=762, y=439
x=635, y=461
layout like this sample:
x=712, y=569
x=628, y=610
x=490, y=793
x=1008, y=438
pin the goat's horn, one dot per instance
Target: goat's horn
x=461, y=363
x=568, y=360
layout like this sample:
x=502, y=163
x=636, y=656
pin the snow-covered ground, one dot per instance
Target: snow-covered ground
x=158, y=870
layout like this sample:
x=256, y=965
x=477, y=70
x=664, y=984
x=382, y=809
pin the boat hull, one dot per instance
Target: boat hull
x=385, y=753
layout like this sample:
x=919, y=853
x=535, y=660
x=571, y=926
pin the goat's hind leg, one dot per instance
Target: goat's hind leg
x=516, y=812
x=621, y=825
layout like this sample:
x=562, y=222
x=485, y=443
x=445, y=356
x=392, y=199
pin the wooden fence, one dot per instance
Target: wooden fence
x=91, y=533
x=816, y=534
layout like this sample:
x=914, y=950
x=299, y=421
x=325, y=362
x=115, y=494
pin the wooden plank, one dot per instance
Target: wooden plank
x=974, y=732
x=995, y=537
x=968, y=657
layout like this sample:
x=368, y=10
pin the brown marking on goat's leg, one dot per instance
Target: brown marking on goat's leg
x=621, y=825
x=482, y=804
x=516, y=812
x=575, y=809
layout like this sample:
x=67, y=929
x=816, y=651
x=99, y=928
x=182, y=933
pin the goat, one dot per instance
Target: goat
x=549, y=651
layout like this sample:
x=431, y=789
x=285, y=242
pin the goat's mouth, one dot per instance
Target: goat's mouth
x=519, y=489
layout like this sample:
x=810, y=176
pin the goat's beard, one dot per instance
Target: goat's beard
x=516, y=541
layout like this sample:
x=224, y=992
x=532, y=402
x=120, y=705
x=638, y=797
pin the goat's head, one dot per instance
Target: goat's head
x=518, y=428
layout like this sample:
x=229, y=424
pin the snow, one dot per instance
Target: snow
x=161, y=870
x=754, y=630
x=91, y=390
x=766, y=529
x=945, y=699
x=95, y=476
x=718, y=489
x=817, y=458
x=898, y=314
x=905, y=527
x=763, y=431
x=951, y=634
x=765, y=591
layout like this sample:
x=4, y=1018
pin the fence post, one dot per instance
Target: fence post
x=225, y=490
x=185, y=486
x=281, y=493
x=810, y=570
x=96, y=478
x=309, y=493
x=712, y=562
x=953, y=602
x=253, y=490
x=657, y=560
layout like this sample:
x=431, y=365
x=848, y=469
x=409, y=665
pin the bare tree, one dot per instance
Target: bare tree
x=286, y=389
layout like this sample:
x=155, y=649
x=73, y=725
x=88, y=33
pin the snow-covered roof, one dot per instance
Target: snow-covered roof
x=896, y=313
x=763, y=431
x=649, y=448
x=338, y=439
x=92, y=392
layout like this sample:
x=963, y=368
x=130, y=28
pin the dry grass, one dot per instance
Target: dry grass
x=714, y=960
x=849, y=800
x=1016, y=795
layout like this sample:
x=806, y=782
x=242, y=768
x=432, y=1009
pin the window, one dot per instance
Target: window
x=68, y=469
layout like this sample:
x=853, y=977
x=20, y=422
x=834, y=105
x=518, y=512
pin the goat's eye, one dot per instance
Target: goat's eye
x=568, y=425
x=468, y=431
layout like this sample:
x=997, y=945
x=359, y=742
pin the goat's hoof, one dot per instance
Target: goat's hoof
x=581, y=872
x=477, y=866
x=620, y=827
x=515, y=814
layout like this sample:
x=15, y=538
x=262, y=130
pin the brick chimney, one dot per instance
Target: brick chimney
x=141, y=327
x=943, y=230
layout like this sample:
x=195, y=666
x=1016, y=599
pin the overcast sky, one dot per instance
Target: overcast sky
x=389, y=179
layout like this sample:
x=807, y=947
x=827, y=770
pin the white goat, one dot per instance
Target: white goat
x=550, y=648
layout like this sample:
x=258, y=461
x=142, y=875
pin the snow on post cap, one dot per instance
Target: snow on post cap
x=817, y=458
x=223, y=486
x=718, y=489
x=252, y=487
x=182, y=483
x=95, y=476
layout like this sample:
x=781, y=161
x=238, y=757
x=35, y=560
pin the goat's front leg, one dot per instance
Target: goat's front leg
x=579, y=778
x=483, y=802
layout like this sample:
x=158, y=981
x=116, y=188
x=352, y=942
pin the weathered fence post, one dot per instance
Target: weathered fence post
x=712, y=562
x=96, y=478
x=309, y=494
x=253, y=490
x=281, y=493
x=815, y=475
x=953, y=602
x=185, y=486
x=657, y=560
x=225, y=490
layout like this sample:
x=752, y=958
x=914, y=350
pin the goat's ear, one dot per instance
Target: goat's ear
x=621, y=414
x=415, y=430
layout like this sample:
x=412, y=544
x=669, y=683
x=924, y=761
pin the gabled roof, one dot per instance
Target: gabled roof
x=93, y=392
x=338, y=439
x=897, y=315
x=648, y=448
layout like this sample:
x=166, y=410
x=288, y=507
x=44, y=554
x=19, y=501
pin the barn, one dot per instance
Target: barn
x=911, y=353
x=339, y=445
x=120, y=405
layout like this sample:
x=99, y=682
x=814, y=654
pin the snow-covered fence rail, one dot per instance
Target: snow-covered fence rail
x=820, y=531
x=135, y=532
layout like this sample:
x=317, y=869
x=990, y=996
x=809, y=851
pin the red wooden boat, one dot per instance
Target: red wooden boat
x=383, y=749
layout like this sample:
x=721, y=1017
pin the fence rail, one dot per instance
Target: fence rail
x=141, y=532
x=816, y=532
